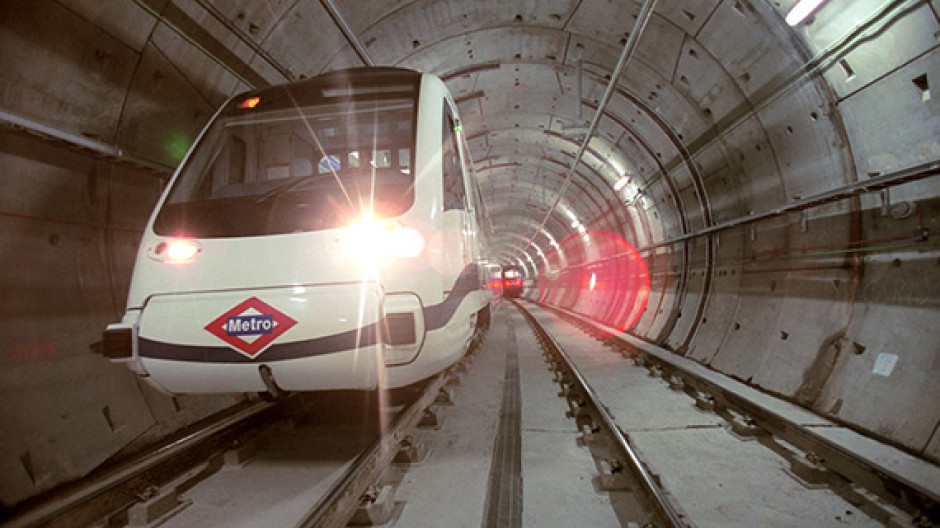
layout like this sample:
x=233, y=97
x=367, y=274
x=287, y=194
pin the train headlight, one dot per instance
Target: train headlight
x=177, y=251
x=405, y=242
x=375, y=239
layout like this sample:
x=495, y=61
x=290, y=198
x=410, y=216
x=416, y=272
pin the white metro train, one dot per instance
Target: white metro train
x=320, y=235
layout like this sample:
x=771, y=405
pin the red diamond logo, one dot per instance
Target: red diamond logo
x=250, y=326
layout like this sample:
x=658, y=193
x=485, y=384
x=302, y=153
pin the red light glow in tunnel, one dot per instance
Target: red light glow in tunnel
x=604, y=278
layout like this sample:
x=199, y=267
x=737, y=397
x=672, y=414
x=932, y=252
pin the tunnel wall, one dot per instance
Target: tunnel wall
x=69, y=228
x=832, y=306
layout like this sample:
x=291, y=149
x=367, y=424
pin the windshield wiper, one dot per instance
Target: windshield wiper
x=277, y=191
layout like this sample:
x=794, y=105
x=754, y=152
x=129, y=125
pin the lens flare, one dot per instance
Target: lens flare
x=380, y=240
x=177, y=251
x=609, y=282
x=406, y=242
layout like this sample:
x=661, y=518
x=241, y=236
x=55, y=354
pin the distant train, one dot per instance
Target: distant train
x=512, y=281
x=321, y=235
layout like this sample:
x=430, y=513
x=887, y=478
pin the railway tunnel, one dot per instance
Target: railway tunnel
x=777, y=179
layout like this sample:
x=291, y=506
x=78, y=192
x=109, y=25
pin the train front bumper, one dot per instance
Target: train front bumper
x=311, y=337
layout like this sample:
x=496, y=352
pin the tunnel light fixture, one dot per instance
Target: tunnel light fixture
x=622, y=182
x=802, y=10
x=630, y=193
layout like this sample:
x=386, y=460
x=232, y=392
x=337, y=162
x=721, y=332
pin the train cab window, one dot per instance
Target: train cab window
x=455, y=194
x=404, y=161
x=228, y=170
x=302, y=162
x=236, y=161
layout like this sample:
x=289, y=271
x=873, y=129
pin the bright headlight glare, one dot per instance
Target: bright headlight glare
x=406, y=242
x=177, y=251
x=373, y=239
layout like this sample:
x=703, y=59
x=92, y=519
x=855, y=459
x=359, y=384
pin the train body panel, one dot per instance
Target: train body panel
x=318, y=236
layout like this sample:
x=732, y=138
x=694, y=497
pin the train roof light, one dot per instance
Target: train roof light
x=250, y=102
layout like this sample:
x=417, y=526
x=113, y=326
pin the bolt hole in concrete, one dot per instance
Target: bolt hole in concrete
x=923, y=85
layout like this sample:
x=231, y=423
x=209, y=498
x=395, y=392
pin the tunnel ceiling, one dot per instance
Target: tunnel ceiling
x=688, y=103
x=779, y=183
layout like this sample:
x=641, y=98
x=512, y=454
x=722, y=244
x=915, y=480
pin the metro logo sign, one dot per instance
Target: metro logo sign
x=246, y=325
x=250, y=326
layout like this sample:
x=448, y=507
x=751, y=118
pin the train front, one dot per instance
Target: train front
x=259, y=270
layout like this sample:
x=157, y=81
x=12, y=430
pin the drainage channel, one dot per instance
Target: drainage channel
x=504, y=501
x=621, y=467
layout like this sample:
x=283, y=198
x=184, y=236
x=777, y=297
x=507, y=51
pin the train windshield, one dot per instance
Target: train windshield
x=288, y=161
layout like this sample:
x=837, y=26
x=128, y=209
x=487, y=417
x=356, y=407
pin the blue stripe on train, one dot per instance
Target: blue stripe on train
x=435, y=317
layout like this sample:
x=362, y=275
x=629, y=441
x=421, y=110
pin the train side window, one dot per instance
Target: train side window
x=382, y=159
x=455, y=194
x=404, y=160
x=329, y=163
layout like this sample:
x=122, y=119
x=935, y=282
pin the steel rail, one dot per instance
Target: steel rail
x=98, y=149
x=220, y=17
x=877, y=183
x=337, y=506
x=44, y=513
x=143, y=4
x=662, y=506
x=646, y=11
x=911, y=495
x=347, y=32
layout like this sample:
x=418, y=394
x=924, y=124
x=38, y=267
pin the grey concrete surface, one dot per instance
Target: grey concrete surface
x=450, y=487
x=725, y=112
x=718, y=479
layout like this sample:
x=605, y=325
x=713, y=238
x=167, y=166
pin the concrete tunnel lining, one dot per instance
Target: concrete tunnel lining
x=726, y=118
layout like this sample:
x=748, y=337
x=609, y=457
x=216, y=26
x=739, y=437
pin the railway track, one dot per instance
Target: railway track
x=151, y=489
x=520, y=447
x=620, y=466
x=360, y=487
x=897, y=491
x=126, y=489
